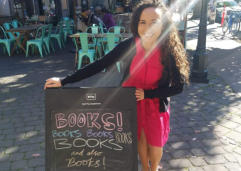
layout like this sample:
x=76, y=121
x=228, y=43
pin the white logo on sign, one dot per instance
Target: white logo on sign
x=91, y=96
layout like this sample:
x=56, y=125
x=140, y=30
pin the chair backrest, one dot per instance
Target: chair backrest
x=40, y=33
x=116, y=29
x=3, y=34
x=103, y=28
x=93, y=29
x=119, y=22
x=16, y=23
x=110, y=41
x=60, y=28
x=68, y=26
x=84, y=40
x=8, y=26
x=66, y=18
x=34, y=17
x=48, y=30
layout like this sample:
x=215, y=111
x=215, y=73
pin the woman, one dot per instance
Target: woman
x=156, y=64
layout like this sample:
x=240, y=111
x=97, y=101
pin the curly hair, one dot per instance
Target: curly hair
x=169, y=40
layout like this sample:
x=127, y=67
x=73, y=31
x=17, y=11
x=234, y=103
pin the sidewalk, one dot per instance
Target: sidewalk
x=205, y=118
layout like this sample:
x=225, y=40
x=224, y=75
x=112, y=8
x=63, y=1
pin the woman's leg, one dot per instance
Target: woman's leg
x=155, y=155
x=143, y=151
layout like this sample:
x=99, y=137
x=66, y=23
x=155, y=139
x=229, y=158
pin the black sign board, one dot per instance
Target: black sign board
x=91, y=129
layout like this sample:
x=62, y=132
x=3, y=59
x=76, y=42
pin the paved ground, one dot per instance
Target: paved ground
x=205, y=122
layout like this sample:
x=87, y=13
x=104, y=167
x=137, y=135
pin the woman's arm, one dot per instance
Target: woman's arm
x=163, y=92
x=169, y=88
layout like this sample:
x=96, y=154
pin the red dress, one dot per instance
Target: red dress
x=145, y=73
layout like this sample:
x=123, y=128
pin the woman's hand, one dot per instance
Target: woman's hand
x=139, y=94
x=52, y=82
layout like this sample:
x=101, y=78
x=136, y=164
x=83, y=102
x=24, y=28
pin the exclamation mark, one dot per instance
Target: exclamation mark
x=104, y=162
x=119, y=121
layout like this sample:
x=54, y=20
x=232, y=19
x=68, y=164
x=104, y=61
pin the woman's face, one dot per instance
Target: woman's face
x=149, y=26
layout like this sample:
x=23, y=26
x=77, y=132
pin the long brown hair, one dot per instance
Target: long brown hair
x=170, y=43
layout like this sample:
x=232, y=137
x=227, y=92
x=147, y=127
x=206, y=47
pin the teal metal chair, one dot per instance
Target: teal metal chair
x=38, y=41
x=85, y=51
x=111, y=45
x=103, y=28
x=5, y=40
x=117, y=30
x=16, y=23
x=58, y=35
x=95, y=42
x=66, y=18
x=47, y=38
x=110, y=37
x=94, y=29
x=8, y=26
x=67, y=28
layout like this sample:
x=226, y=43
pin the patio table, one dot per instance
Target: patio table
x=24, y=31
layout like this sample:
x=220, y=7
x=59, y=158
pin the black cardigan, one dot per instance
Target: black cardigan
x=125, y=51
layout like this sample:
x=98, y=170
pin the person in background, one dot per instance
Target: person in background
x=89, y=18
x=155, y=63
x=107, y=18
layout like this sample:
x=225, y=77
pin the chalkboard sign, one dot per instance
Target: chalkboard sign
x=91, y=129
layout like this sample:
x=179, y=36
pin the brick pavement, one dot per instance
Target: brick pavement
x=205, y=121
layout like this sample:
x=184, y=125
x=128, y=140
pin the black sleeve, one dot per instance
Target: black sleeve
x=170, y=88
x=163, y=92
x=97, y=66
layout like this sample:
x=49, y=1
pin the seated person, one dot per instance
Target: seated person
x=89, y=18
x=107, y=18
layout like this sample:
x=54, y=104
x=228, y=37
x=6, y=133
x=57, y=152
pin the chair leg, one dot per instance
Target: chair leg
x=52, y=46
x=80, y=62
x=44, y=47
x=118, y=65
x=47, y=45
x=91, y=57
x=63, y=45
x=4, y=47
x=8, y=49
x=27, y=50
x=40, y=50
x=59, y=43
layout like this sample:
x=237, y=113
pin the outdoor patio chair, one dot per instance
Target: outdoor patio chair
x=66, y=18
x=5, y=40
x=85, y=51
x=47, y=38
x=94, y=29
x=111, y=45
x=38, y=41
x=8, y=26
x=16, y=24
x=103, y=28
x=67, y=28
x=95, y=42
x=117, y=30
x=58, y=35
